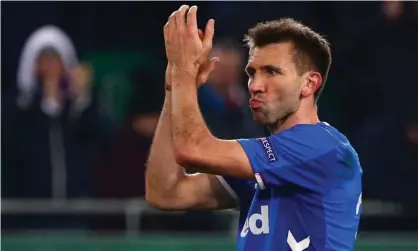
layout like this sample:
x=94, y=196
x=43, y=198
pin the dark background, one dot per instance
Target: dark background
x=371, y=95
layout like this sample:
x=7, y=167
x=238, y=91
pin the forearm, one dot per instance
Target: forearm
x=189, y=130
x=163, y=174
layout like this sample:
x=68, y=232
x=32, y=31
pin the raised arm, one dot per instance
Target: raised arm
x=167, y=185
x=194, y=146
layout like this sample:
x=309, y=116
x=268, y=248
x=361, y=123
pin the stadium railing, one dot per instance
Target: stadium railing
x=133, y=208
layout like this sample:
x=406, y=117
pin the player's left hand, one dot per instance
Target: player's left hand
x=206, y=65
x=186, y=50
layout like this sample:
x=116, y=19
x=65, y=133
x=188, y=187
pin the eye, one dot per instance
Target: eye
x=250, y=71
x=271, y=71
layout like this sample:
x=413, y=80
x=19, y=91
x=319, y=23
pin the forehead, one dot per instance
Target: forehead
x=280, y=54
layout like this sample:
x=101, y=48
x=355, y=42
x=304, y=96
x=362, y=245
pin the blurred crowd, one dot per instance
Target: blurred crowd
x=83, y=85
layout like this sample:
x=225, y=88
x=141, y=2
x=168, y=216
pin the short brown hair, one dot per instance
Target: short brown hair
x=312, y=51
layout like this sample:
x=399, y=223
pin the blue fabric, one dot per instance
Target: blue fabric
x=307, y=195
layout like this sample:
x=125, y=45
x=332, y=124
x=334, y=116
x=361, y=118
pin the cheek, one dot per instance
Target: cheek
x=294, y=91
x=286, y=97
x=285, y=91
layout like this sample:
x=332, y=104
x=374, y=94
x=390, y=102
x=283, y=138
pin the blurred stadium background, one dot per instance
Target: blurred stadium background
x=74, y=181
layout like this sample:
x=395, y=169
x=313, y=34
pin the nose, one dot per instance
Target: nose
x=256, y=85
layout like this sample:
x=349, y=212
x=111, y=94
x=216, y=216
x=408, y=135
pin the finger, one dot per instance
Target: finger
x=192, y=18
x=181, y=17
x=166, y=30
x=171, y=24
x=166, y=27
x=203, y=76
x=208, y=68
x=201, y=35
x=212, y=65
x=209, y=32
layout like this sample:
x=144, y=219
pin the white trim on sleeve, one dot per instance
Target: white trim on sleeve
x=260, y=181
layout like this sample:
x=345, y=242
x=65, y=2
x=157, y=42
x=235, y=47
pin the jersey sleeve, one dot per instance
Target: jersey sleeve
x=299, y=156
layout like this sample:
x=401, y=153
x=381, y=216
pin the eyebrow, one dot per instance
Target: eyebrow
x=272, y=68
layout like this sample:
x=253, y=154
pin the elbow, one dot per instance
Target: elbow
x=154, y=202
x=151, y=194
x=159, y=197
x=150, y=197
x=162, y=203
x=151, y=200
x=157, y=204
x=185, y=155
x=181, y=157
x=188, y=153
x=190, y=148
x=153, y=197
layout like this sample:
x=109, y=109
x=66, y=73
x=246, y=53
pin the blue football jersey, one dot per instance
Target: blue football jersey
x=306, y=194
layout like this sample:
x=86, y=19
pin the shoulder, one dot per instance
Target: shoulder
x=318, y=140
x=317, y=135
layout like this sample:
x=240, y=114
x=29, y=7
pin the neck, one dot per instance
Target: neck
x=306, y=114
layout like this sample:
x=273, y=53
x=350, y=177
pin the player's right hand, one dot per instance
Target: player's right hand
x=187, y=48
x=206, y=67
x=168, y=77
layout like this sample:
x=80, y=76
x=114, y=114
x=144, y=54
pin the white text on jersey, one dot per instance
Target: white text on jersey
x=251, y=223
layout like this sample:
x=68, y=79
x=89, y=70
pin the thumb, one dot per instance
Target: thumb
x=208, y=68
x=212, y=65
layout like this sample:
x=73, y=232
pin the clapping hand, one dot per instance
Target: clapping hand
x=187, y=47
